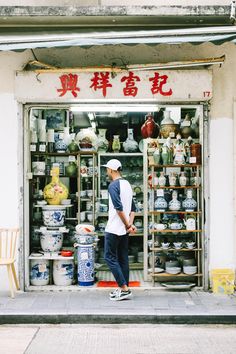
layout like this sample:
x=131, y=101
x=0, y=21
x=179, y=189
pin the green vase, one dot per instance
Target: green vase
x=71, y=169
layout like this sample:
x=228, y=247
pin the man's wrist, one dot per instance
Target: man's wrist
x=128, y=226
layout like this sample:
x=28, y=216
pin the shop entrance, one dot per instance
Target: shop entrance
x=78, y=139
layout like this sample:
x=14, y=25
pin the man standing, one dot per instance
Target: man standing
x=119, y=225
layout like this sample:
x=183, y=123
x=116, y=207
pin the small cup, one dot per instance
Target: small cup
x=190, y=245
x=165, y=245
x=90, y=217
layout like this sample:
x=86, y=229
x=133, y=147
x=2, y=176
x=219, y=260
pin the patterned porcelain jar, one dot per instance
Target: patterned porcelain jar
x=85, y=258
x=174, y=204
x=39, y=271
x=63, y=272
x=51, y=241
x=189, y=204
x=54, y=216
x=160, y=204
x=60, y=145
x=55, y=191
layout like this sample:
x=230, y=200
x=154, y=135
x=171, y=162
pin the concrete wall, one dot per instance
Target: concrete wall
x=222, y=238
x=112, y=2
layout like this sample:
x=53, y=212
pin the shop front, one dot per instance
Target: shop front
x=72, y=123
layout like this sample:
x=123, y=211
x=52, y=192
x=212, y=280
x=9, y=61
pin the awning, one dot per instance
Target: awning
x=19, y=42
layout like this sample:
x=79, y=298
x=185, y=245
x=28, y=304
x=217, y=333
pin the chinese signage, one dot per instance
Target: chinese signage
x=158, y=85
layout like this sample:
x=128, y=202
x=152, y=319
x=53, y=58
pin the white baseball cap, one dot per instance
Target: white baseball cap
x=113, y=164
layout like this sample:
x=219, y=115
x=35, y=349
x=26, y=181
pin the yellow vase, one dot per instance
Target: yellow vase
x=55, y=191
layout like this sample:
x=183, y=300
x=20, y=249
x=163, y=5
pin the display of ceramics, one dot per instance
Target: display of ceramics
x=174, y=204
x=39, y=272
x=103, y=143
x=189, y=204
x=63, y=272
x=85, y=256
x=55, y=191
x=130, y=145
x=87, y=139
x=116, y=146
x=51, y=240
x=168, y=126
x=53, y=216
x=150, y=129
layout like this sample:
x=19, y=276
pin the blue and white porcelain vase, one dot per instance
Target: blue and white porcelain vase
x=85, y=258
x=51, y=240
x=60, y=144
x=189, y=204
x=160, y=204
x=63, y=272
x=174, y=204
x=39, y=271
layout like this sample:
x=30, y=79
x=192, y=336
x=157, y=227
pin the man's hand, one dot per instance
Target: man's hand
x=132, y=229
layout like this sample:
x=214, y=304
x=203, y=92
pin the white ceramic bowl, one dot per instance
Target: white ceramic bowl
x=66, y=202
x=190, y=270
x=173, y=270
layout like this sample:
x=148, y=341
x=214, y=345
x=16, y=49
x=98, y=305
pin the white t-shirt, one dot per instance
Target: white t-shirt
x=121, y=199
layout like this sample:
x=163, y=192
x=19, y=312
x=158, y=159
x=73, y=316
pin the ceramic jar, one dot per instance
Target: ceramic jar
x=130, y=145
x=60, y=145
x=186, y=129
x=73, y=146
x=116, y=143
x=189, y=204
x=39, y=271
x=103, y=143
x=71, y=169
x=51, y=241
x=182, y=179
x=55, y=191
x=150, y=129
x=172, y=180
x=160, y=204
x=63, y=272
x=174, y=204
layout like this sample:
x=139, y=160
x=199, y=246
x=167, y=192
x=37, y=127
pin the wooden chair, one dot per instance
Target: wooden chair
x=8, y=238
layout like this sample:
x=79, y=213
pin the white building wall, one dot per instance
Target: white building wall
x=222, y=237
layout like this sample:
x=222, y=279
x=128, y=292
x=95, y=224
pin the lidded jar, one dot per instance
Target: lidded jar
x=160, y=203
x=174, y=204
x=150, y=129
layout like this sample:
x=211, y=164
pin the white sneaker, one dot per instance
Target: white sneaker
x=113, y=293
x=121, y=295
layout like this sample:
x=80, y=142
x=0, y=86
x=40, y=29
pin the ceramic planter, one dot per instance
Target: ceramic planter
x=53, y=216
x=51, y=241
x=39, y=271
x=63, y=272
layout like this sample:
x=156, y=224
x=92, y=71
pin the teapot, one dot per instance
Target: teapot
x=190, y=223
x=176, y=225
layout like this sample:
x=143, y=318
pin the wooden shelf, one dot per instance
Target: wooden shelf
x=173, y=231
x=174, y=275
x=176, y=249
x=177, y=166
x=156, y=212
x=175, y=187
x=132, y=266
x=101, y=234
x=89, y=152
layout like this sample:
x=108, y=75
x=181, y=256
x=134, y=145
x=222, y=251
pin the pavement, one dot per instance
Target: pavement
x=117, y=339
x=90, y=306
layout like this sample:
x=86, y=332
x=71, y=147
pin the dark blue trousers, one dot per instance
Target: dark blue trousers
x=116, y=257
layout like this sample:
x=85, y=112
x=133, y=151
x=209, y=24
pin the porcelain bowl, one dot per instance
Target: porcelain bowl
x=190, y=270
x=173, y=270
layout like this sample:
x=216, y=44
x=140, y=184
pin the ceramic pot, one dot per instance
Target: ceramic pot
x=71, y=169
x=168, y=126
x=150, y=129
x=51, y=241
x=39, y=271
x=73, y=146
x=53, y=216
x=186, y=129
x=55, y=191
x=162, y=179
x=160, y=204
x=182, y=179
x=63, y=272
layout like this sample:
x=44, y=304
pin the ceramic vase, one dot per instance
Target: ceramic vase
x=87, y=139
x=156, y=156
x=71, y=169
x=189, y=204
x=85, y=258
x=165, y=155
x=162, y=179
x=63, y=272
x=172, y=180
x=150, y=129
x=103, y=143
x=116, y=143
x=60, y=145
x=55, y=191
x=186, y=129
x=73, y=146
x=174, y=204
x=130, y=145
x=160, y=204
x=182, y=179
